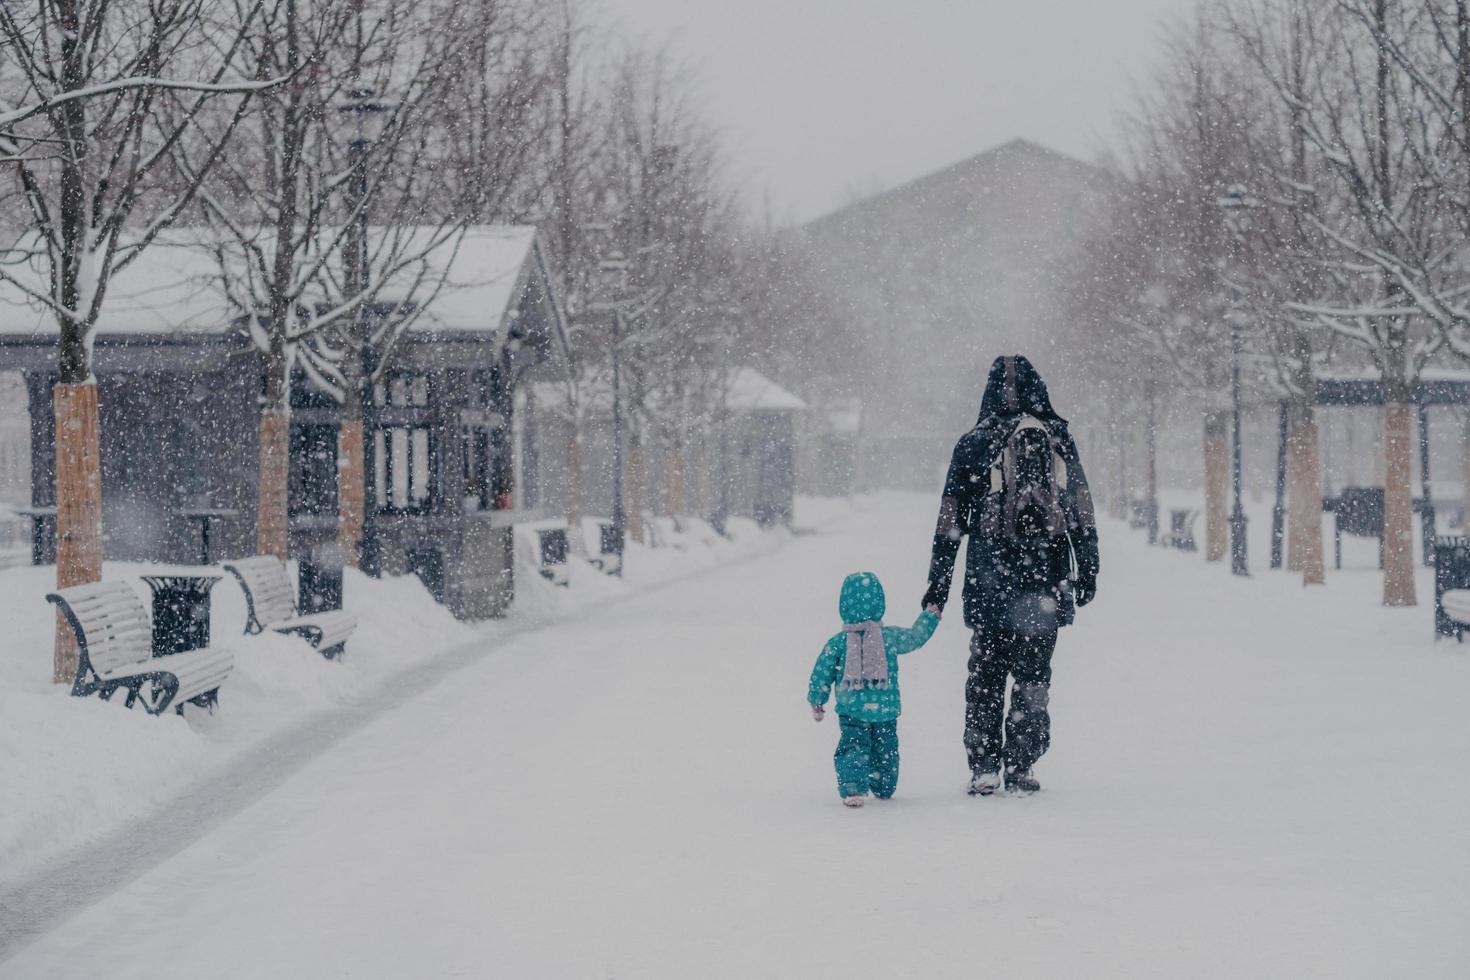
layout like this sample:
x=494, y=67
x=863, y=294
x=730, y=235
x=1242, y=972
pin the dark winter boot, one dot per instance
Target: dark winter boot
x=1021, y=781
x=984, y=783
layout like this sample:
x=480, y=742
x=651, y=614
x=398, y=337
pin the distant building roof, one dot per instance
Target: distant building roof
x=749, y=391
x=752, y=391
x=176, y=285
x=845, y=415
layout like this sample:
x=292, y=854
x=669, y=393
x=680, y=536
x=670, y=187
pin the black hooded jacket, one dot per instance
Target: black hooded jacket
x=995, y=587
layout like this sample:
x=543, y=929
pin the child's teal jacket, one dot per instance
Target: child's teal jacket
x=862, y=600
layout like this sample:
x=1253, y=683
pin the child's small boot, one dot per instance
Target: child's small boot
x=853, y=802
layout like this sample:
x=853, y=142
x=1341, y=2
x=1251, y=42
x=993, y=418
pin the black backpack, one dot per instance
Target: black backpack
x=1023, y=508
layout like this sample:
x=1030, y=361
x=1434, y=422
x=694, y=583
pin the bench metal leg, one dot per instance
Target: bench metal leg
x=209, y=700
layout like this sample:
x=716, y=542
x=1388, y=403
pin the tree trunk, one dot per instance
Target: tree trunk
x=1304, y=511
x=351, y=489
x=1398, y=508
x=1465, y=473
x=78, y=507
x=678, y=505
x=1118, y=497
x=1217, y=486
x=272, y=522
x=574, y=491
x=633, y=488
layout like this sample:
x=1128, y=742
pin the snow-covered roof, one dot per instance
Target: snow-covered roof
x=175, y=286
x=845, y=415
x=749, y=391
x=1431, y=374
x=752, y=391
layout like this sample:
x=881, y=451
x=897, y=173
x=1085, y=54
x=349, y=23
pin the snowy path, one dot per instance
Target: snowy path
x=1245, y=780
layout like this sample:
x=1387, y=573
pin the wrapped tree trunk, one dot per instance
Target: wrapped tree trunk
x=1304, y=511
x=1118, y=499
x=352, y=481
x=271, y=519
x=574, y=491
x=78, y=506
x=1398, y=508
x=1217, y=486
x=633, y=486
x=1465, y=472
x=677, y=480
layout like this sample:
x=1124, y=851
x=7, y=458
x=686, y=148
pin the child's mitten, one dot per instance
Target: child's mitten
x=818, y=712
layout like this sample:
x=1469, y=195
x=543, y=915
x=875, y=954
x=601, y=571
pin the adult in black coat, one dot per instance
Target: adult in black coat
x=1015, y=598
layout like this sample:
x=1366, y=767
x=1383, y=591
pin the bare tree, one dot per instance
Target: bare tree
x=84, y=128
x=286, y=211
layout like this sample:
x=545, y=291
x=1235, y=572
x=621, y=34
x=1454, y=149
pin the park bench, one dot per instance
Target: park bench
x=1181, y=529
x=271, y=605
x=1451, y=586
x=115, y=648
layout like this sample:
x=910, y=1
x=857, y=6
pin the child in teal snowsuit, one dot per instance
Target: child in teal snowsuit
x=862, y=663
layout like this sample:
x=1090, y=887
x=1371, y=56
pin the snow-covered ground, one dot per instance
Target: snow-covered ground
x=1247, y=779
x=75, y=770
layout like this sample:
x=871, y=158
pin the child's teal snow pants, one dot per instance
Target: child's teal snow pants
x=867, y=758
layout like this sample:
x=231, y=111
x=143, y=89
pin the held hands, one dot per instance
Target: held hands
x=818, y=712
x=934, y=596
x=934, y=608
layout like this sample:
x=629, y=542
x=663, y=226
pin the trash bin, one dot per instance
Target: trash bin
x=320, y=574
x=180, y=612
x=611, y=548
x=554, y=549
x=428, y=564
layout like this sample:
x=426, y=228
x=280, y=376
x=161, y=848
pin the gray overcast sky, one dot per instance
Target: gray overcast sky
x=821, y=98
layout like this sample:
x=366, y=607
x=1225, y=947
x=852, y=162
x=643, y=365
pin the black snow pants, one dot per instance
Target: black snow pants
x=994, y=737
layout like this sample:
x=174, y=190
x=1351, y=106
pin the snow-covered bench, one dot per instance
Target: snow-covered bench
x=1181, y=529
x=115, y=644
x=1451, y=586
x=271, y=605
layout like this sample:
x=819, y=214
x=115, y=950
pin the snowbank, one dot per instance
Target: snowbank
x=74, y=769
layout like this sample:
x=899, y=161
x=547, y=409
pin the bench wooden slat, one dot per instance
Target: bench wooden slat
x=1456, y=603
x=114, y=623
x=268, y=593
x=268, y=588
x=115, y=639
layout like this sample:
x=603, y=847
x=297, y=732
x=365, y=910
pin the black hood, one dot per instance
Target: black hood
x=1014, y=387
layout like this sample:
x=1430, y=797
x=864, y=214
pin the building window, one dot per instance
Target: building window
x=404, y=458
x=487, y=475
x=402, y=390
x=312, y=483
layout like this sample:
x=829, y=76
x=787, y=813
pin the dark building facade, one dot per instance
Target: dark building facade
x=452, y=469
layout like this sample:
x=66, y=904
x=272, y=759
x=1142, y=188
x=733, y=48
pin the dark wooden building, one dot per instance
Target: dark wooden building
x=180, y=385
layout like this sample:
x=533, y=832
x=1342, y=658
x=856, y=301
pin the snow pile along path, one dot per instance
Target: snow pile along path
x=83, y=779
x=1246, y=780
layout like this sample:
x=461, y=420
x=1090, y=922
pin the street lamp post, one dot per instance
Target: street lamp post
x=1235, y=204
x=365, y=111
x=615, y=271
x=1237, y=514
x=1153, y=465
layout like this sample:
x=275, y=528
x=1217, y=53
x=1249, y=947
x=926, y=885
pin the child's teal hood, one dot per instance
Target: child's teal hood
x=862, y=599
